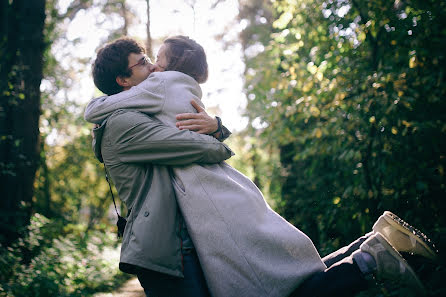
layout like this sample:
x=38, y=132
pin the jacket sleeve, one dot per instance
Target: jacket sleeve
x=147, y=97
x=225, y=133
x=138, y=138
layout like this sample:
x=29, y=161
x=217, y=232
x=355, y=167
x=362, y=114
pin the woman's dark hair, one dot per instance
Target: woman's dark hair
x=186, y=55
x=112, y=61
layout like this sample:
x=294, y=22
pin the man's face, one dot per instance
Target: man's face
x=141, y=67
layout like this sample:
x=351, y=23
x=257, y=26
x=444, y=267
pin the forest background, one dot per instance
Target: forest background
x=343, y=117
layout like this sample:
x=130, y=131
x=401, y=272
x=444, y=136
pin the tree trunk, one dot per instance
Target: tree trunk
x=125, y=16
x=149, y=49
x=21, y=66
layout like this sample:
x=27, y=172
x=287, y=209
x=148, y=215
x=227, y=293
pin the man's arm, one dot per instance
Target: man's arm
x=138, y=138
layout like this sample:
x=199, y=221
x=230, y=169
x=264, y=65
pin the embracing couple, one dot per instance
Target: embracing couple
x=196, y=226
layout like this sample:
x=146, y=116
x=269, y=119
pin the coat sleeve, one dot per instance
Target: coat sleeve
x=138, y=138
x=147, y=97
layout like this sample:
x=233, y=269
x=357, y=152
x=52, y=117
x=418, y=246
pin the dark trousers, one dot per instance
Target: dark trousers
x=341, y=278
x=193, y=284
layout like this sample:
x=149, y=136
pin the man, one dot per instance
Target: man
x=157, y=249
x=372, y=254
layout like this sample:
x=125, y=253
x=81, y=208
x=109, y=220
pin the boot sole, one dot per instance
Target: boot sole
x=409, y=230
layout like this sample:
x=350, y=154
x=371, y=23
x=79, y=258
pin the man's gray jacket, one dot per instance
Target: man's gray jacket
x=136, y=149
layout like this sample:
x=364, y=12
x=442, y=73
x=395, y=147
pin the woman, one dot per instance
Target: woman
x=245, y=248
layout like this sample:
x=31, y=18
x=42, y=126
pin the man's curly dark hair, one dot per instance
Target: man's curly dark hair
x=112, y=61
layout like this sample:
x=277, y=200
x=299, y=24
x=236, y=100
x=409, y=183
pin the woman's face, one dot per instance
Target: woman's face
x=161, y=60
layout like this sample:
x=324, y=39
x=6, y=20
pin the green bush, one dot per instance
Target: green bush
x=44, y=264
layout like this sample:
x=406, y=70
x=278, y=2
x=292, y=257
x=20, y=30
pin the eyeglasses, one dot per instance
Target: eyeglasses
x=143, y=61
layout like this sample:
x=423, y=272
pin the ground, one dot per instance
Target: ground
x=131, y=288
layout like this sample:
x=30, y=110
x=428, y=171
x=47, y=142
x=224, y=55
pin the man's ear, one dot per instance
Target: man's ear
x=122, y=81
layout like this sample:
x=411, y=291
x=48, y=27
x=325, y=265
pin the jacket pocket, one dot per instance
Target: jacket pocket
x=177, y=183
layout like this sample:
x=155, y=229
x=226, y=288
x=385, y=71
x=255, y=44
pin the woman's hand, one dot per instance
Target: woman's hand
x=199, y=122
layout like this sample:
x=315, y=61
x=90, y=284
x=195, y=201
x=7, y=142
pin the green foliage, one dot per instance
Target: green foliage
x=75, y=180
x=45, y=263
x=60, y=255
x=63, y=255
x=259, y=164
x=70, y=184
x=352, y=95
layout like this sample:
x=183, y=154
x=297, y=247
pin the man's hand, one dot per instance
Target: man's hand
x=199, y=122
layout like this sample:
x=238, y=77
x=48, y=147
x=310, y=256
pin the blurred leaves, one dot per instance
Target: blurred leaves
x=64, y=251
x=351, y=94
x=59, y=264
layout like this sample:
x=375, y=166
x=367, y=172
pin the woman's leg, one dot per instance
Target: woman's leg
x=346, y=251
x=193, y=284
x=376, y=258
x=401, y=235
x=341, y=279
